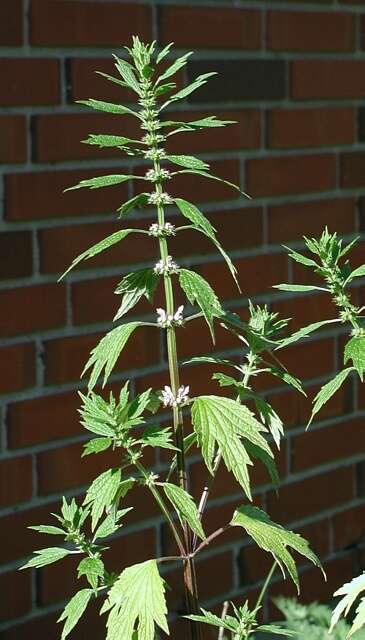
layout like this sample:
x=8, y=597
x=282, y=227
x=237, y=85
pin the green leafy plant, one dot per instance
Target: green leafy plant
x=231, y=431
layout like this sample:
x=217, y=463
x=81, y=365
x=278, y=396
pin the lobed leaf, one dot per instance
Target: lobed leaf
x=93, y=569
x=74, y=610
x=350, y=592
x=328, y=390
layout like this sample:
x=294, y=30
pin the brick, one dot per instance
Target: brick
x=305, y=31
x=239, y=80
x=15, y=480
x=352, y=169
x=13, y=137
x=65, y=358
x=258, y=281
x=31, y=628
x=11, y=23
x=18, y=583
x=85, y=82
x=16, y=254
x=311, y=79
x=95, y=301
x=205, y=190
x=223, y=28
x=17, y=367
x=244, y=134
x=348, y=527
x=87, y=23
x=309, y=359
x=304, y=310
x=331, y=444
x=290, y=222
x=278, y=176
x=294, y=128
x=22, y=541
x=53, y=146
x=40, y=195
x=38, y=315
x=29, y=81
x=28, y=421
x=311, y=495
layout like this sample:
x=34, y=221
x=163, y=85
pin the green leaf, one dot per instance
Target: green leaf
x=211, y=360
x=268, y=462
x=137, y=595
x=210, y=618
x=155, y=436
x=164, y=88
x=127, y=72
x=101, y=493
x=109, y=107
x=185, y=508
x=193, y=125
x=99, y=247
x=270, y=418
x=96, y=445
x=164, y=52
x=328, y=390
x=357, y=273
x=205, y=174
x=107, y=140
x=188, y=161
x=74, y=610
x=198, y=290
x=274, y=538
x=96, y=415
x=137, y=202
x=101, y=181
x=92, y=568
x=46, y=556
x=355, y=351
x=305, y=331
x=298, y=287
x=350, y=592
x=49, y=529
x=106, y=353
x=192, y=213
x=183, y=93
x=298, y=257
x=111, y=524
x=222, y=423
x=287, y=378
x=134, y=286
x=276, y=631
x=121, y=83
x=176, y=65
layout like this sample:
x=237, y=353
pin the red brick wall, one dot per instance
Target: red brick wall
x=293, y=75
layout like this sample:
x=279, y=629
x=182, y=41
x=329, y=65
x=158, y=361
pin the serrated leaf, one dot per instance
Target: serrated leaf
x=183, y=93
x=305, y=331
x=211, y=360
x=298, y=287
x=268, y=462
x=185, y=507
x=74, y=610
x=137, y=201
x=328, y=390
x=101, y=181
x=164, y=88
x=164, y=52
x=49, y=529
x=176, y=65
x=101, y=493
x=127, y=72
x=222, y=423
x=192, y=213
x=111, y=524
x=96, y=445
x=188, y=161
x=107, y=351
x=274, y=539
x=357, y=273
x=193, y=125
x=104, y=140
x=355, y=351
x=276, y=631
x=99, y=247
x=210, y=618
x=134, y=286
x=92, y=568
x=109, y=107
x=137, y=602
x=287, y=378
x=205, y=174
x=270, y=418
x=46, y=556
x=156, y=436
x=350, y=592
x=199, y=290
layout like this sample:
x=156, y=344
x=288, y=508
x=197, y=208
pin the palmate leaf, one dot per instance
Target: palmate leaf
x=222, y=423
x=328, y=390
x=350, y=592
x=109, y=107
x=304, y=332
x=137, y=602
x=103, y=181
x=199, y=290
x=185, y=507
x=46, y=556
x=104, y=140
x=137, y=202
x=101, y=493
x=205, y=174
x=99, y=247
x=134, y=286
x=355, y=351
x=274, y=538
x=74, y=610
x=107, y=352
x=188, y=161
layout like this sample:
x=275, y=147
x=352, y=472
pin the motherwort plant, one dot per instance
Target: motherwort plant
x=225, y=430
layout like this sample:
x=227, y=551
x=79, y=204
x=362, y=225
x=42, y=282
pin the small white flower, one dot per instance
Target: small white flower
x=160, y=198
x=154, y=175
x=168, y=399
x=166, y=267
x=161, y=230
x=151, y=139
x=165, y=320
x=155, y=154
